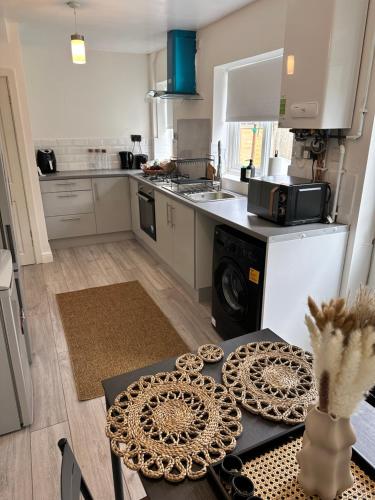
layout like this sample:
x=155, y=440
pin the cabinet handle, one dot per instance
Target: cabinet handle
x=172, y=217
x=96, y=194
x=66, y=183
x=67, y=195
x=70, y=218
x=168, y=219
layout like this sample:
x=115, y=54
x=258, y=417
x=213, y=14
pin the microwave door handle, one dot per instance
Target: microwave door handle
x=272, y=200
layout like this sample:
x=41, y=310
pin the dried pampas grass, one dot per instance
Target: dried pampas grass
x=363, y=308
x=343, y=341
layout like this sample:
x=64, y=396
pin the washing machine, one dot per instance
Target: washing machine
x=237, y=284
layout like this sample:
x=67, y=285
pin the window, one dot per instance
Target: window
x=163, y=143
x=246, y=107
x=256, y=140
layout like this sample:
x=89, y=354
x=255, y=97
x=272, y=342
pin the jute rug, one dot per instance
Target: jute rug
x=111, y=330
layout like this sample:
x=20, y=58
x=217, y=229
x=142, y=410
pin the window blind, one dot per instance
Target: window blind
x=254, y=91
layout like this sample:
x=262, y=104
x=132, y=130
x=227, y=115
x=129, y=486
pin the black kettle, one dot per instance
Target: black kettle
x=127, y=159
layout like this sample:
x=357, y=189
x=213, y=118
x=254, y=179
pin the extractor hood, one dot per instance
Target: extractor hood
x=181, y=82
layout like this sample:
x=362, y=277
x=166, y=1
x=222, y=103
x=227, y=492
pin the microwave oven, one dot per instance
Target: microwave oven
x=288, y=201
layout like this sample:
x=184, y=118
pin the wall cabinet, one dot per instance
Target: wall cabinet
x=175, y=227
x=112, y=204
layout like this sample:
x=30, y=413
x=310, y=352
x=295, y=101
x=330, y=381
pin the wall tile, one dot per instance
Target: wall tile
x=72, y=154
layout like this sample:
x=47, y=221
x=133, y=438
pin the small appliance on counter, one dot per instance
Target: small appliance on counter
x=288, y=201
x=139, y=160
x=127, y=159
x=46, y=161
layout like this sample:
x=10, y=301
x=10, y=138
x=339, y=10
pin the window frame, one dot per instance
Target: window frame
x=233, y=147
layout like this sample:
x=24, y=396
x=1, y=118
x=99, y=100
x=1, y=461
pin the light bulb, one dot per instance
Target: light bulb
x=78, y=49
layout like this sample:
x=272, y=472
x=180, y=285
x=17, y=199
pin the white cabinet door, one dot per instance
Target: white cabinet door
x=182, y=220
x=67, y=202
x=164, y=230
x=112, y=204
x=134, y=207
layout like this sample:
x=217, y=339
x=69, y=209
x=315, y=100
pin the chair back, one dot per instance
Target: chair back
x=72, y=481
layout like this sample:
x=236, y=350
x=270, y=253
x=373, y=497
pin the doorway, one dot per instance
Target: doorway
x=9, y=152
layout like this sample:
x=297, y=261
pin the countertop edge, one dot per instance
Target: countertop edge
x=303, y=232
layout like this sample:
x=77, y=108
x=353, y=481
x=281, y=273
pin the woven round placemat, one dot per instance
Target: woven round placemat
x=189, y=362
x=272, y=379
x=275, y=472
x=173, y=425
x=210, y=353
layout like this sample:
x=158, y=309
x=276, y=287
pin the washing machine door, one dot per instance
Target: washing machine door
x=232, y=290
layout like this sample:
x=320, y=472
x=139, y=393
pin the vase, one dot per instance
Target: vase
x=325, y=456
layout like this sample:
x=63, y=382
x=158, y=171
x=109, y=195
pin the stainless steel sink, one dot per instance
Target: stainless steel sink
x=209, y=196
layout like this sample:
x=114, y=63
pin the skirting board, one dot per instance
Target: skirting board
x=94, y=239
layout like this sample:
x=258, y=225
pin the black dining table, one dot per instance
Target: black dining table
x=256, y=429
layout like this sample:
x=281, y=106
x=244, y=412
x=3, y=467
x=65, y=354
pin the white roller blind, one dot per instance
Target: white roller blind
x=254, y=91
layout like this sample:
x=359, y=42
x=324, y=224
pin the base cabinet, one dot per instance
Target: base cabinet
x=175, y=226
x=164, y=230
x=112, y=204
x=85, y=206
x=134, y=204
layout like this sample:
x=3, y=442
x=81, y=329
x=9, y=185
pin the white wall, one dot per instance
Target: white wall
x=252, y=30
x=11, y=66
x=258, y=28
x=103, y=98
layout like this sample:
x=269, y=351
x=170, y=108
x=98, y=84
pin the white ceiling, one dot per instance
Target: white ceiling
x=119, y=25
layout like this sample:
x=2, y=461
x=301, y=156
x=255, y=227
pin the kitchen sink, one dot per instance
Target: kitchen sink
x=209, y=196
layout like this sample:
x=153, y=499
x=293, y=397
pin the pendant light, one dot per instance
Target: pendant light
x=77, y=41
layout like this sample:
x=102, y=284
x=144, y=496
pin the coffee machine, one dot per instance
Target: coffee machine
x=46, y=161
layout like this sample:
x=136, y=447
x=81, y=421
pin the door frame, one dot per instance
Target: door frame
x=41, y=249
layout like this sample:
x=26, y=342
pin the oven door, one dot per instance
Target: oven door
x=147, y=214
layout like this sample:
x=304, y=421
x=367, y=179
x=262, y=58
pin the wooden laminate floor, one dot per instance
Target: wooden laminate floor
x=29, y=459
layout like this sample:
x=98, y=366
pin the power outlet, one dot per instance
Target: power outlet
x=136, y=138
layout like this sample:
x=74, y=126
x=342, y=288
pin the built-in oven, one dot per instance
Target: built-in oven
x=147, y=209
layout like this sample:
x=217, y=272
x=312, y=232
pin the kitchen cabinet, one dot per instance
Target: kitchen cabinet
x=175, y=226
x=67, y=203
x=69, y=226
x=112, y=204
x=86, y=206
x=56, y=186
x=134, y=207
x=164, y=230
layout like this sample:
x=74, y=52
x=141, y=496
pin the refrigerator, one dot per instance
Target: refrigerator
x=16, y=390
x=8, y=242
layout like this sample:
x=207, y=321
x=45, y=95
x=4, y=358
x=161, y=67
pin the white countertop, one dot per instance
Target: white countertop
x=229, y=211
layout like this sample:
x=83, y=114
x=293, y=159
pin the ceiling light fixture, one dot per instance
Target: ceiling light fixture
x=77, y=41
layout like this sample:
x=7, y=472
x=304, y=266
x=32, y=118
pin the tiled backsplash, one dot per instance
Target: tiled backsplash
x=72, y=154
